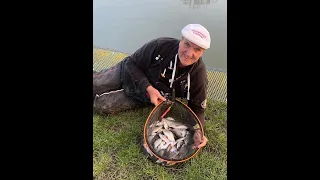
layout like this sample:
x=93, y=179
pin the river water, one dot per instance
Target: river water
x=125, y=25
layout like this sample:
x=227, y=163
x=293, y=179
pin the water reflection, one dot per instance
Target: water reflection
x=195, y=4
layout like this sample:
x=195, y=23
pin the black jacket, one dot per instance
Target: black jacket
x=145, y=66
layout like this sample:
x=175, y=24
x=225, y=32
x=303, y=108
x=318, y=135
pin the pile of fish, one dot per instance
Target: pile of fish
x=169, y=138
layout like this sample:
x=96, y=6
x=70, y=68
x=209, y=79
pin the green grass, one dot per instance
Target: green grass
x=117, y=153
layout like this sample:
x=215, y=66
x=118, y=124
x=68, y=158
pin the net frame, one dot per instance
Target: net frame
x=155, y=115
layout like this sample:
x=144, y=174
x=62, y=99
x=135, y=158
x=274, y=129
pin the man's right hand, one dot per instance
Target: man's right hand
x=155, y=96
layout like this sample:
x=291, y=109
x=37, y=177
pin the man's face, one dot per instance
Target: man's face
x=189, y=53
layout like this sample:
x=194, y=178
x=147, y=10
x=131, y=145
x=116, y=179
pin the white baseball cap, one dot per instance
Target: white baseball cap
x=197, y=34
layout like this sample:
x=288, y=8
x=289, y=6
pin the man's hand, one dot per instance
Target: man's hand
x=155, y=96
x=198, y=142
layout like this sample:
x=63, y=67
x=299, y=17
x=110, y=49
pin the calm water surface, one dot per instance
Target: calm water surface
x=126, y=25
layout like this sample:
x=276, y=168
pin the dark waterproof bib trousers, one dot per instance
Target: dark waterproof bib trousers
x=108, y=95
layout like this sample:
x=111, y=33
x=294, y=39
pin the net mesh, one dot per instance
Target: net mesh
x=181, y=115
x=217, y=86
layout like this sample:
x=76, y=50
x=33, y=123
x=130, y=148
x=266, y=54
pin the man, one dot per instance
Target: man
x=153, y=71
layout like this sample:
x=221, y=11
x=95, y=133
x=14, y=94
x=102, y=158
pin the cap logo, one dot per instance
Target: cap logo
x=202, y=36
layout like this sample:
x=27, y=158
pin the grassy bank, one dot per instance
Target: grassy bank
x=117, y=153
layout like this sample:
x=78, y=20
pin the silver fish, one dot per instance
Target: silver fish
x=151, y=125
x=157, y=132
x=169, y=138
x=154, y=124
x=163, y=137
x=170, y=118
x=157, y=143
x=168, y=134
x=165, y=125
x=163, y=145
x=173, y=149
x=153, y=135
x=187, y=138
x=173, y=143
x=159, y=123
x=150, y=138
x=180, y=133
x=156, y=129
x=174, y=124
x=180, y=127
x=179, y=142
